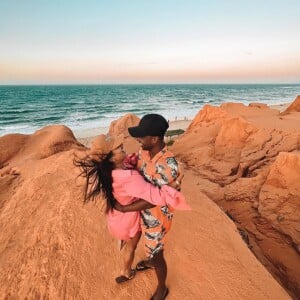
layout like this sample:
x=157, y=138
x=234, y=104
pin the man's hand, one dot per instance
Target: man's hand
x=118, y=206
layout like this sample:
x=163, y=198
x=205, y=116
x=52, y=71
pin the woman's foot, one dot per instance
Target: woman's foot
x=124, y=278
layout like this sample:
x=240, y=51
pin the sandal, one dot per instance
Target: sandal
x=123, y=278
x=140, y=266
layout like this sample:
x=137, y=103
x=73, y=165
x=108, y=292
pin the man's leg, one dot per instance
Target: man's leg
x=154, y=240
x=159, y=263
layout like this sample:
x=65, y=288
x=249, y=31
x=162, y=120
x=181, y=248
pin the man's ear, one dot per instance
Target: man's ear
x=155, y=139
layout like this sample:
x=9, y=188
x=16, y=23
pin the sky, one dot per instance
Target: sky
x=157, y=41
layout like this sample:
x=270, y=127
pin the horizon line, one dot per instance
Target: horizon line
x=147, y=83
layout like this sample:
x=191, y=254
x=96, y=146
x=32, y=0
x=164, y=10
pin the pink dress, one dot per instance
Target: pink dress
x=129, y=186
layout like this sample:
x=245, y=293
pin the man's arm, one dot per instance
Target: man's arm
x=135, y=206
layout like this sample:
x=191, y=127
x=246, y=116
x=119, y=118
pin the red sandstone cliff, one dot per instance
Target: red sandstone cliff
x=247, y=161
x=54, y=247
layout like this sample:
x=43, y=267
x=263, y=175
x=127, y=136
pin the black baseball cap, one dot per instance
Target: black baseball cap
x=151, y=124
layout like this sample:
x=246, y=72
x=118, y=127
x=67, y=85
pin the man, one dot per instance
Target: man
x=158, y=166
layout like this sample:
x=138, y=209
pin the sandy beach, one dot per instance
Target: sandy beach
x=240, y=241
x=85, y=136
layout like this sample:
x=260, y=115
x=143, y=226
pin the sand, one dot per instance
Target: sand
x=86, y=135
x=54, y=247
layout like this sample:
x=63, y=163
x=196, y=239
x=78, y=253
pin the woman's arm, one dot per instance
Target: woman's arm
x=135, y=186
x=135, y=206
x=177, y=183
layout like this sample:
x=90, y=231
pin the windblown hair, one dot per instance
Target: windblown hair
x=98, y=175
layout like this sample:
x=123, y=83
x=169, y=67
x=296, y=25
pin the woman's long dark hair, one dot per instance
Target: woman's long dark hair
x=98, y=175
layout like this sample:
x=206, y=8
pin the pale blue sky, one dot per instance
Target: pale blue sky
x=149, y=41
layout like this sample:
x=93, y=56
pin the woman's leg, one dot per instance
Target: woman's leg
x=127, y=254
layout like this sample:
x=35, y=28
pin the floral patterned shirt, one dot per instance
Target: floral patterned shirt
x=161, y=169
x=156, y=222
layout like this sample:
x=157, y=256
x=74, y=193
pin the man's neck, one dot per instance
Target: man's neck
x=156, y=149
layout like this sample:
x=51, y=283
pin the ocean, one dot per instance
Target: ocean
x=24, y=109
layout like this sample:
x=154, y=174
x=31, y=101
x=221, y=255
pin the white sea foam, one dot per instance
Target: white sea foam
x=25, y=109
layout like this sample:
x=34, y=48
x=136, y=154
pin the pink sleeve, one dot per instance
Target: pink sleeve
x=136, y=186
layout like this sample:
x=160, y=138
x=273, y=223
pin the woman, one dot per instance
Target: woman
x=105, y=174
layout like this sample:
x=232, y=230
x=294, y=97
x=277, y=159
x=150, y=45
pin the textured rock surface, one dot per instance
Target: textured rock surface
x=250, y=155
x=53, y=247
x=120, y=126
x=280, y=195
x=294, y=107
x=16, y=149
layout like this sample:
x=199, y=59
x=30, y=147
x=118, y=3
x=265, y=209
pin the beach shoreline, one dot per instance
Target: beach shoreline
x=85, y=136
x=89, y=110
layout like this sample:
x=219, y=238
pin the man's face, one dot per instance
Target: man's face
x=147, y=142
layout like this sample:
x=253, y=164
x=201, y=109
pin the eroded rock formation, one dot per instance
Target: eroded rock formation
x=248, y=162
x=54, y=247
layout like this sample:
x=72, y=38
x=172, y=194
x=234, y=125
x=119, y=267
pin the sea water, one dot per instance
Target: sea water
x=24, y=109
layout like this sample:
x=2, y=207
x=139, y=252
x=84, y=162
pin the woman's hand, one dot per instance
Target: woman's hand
x=180, y=171
x=130, y=161
x=177, y=183
x=135, y=206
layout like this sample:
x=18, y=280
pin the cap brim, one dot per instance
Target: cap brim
x=136, y=131
x=117, y=142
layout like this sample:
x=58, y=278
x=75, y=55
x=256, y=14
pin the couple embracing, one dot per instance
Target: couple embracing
x=141, y=193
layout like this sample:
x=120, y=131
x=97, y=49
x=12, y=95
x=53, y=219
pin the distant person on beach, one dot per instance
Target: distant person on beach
x=159, y=167
x=108, y=172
